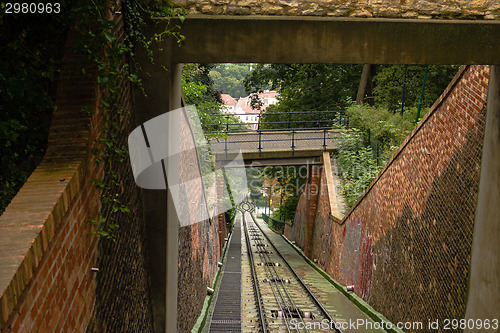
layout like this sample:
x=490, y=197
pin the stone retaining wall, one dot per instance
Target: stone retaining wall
x=421, y=9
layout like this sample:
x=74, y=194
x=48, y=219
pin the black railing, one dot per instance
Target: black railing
x=276, y=224
x=317, y=121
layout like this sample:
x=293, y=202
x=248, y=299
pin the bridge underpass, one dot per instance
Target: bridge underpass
x=290, y=40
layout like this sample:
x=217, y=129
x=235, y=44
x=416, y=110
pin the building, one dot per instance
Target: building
x=243, y=108
x=229, y=103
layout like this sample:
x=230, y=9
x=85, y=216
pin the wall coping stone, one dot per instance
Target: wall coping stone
x=335, y=213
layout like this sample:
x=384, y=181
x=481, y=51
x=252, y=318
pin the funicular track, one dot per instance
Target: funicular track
x=284, y=302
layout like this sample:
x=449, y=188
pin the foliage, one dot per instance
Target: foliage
x=378, y=124
x=30, y=47
x=389, y=85
x=291, y=185
x=30, y=51
x=357, y=166
x=229, y=78
x=109, y=54
x=382, y=127
x=305, y=87
x=286, y=212
x=198, y=89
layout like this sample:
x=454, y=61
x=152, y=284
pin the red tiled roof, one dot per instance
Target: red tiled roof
x=228, y=100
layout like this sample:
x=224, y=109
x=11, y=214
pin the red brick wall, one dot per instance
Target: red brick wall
x=47, y=242
x=47, y=248
x=406, y=245
x=200, y=244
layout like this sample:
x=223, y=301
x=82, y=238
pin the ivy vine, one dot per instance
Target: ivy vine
x=115, y=62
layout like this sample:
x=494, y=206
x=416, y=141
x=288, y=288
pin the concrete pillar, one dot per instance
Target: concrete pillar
x=172, y=246
x=484, y=285
x=156, y=83
x=162, y=85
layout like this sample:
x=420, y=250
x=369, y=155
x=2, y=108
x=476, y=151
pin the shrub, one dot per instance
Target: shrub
x=356, y=166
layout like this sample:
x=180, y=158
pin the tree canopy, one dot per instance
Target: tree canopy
x=389, y=80
x=229, y=78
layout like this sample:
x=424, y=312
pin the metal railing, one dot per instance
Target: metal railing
x=289, y=122
x=276, y=224
x=322, y=119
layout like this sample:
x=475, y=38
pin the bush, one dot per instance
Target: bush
x=381, y=125
x=286, y=212
x=356, y=166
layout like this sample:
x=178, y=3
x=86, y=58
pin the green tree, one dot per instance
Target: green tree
x=389, y=85
x=198, y=89
x=357, y=166
x=30, y=52
x=229, y=78
x=380, y=126
x=305, y=87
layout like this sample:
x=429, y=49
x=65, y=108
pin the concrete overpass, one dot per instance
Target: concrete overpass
x=303, y=39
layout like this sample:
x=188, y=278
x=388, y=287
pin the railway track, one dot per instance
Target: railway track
x=284, y=302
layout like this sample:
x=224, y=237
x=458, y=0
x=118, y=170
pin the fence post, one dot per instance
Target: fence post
x=378, y=154
x=324, y=139
x=293, y=141
x=260, y=141
x=225, y=143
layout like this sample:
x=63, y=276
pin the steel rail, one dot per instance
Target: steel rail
x=316, y=301
x=269, y=275
x=254, y=277
x=285, y=289
x=272, y=281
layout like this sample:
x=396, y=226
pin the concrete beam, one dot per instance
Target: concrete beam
x=284, y=162
x=278, y=39
x=273, y=155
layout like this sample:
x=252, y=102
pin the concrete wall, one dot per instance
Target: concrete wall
x=406, y=245
x=457, y=9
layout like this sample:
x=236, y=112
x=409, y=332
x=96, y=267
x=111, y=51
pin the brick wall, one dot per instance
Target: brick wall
x=422, y=9
x=122, y=290
x=200, y=243
x=47, y=249
x=406, y=244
